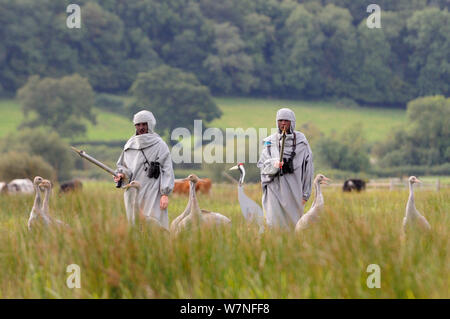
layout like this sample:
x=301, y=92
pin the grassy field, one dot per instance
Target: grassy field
x=241, y=113
x=109, y=127
x=329, y=261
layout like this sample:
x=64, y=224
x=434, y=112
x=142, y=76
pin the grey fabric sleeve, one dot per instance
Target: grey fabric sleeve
x=122, y=167
x=307, y=174
x=266, y=163
x=167, y=176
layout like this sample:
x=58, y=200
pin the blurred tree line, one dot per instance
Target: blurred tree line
x=295, y=49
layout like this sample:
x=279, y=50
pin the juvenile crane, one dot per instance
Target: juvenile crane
x=252, y=212
x=316, y=209
x=132, y=208
x=35, y=213
x=413, y=219
x=47, y=186
x=193, y=215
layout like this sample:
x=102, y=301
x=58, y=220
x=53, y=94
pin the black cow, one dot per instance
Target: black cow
x=354, y=184
x=69, y=186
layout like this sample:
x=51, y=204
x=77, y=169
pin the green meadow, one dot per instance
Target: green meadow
x=246, y=112
x=241, y=113
x=330, y=260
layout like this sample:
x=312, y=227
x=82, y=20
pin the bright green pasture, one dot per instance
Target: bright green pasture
x=239, y=113
x=249, y=112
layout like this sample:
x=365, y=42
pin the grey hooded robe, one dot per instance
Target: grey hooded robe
x=131, y=164
x=282, y=195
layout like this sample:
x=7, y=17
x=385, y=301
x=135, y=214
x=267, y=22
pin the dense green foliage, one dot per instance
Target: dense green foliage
x=44, y=144
x=23, y=165
x=296, y=49
x=426, y=138
x=346, y=151
x=60, y=104
x=176, y=98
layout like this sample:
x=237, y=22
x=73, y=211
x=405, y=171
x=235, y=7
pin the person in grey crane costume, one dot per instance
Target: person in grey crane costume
x=284, y=195
x=134, y=164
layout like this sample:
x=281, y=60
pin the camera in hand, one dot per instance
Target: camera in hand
x=153, y=171
x=288, y=165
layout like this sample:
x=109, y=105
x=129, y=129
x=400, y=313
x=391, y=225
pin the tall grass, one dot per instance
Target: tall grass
x=328, y=261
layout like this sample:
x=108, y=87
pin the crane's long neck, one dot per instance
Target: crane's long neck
x=241, y=179
x=195, y=208
x=318, y=197
x=410, y=206
x=37, y=200
x=134, y=205
x=47, y=192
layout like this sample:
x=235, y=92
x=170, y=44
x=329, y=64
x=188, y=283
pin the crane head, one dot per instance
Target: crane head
x=322, y=179
x=238, y=166
x=241, y=169
x=37, y=180
x=45, y=184
x=132, y=184
x=192, y=178
x=413, y=180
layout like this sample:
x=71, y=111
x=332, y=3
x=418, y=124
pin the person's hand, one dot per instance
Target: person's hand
x=164, y=202
x=278, y=164
x=118, y=177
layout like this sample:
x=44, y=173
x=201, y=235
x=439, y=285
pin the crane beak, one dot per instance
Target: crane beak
x=327, y=181
x=418, y=181
x=234, y=168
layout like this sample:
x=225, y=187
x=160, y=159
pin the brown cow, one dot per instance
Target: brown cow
x=182, y=186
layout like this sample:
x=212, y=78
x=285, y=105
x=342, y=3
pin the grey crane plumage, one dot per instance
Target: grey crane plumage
x=35, y=213
x=47, y=186
x=252, y=212
x=316, y=209
x=132, y=208
x=413, y=219
x=193, y=215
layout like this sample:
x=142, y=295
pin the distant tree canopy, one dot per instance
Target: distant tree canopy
x=23, y=165
x=175, y=97
x=426, y=138
x=298, y=49
x=60, y=104
x=47, y=145
x=346, y=151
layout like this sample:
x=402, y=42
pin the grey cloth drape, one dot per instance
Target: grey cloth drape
x=131, y=164
x=282, y=195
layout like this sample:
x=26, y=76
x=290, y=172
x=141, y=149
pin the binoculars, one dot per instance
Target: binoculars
x=288, y=165
x=154, y=170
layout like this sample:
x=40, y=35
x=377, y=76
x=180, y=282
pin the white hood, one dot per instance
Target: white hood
x=145, y=117
x=286, y=114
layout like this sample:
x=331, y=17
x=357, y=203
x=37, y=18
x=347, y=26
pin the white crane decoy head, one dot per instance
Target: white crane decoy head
x=192, y=178
x=238, y=166
x=132, y=184
x=322, y=179
x=413, y=180
x=241, y=169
